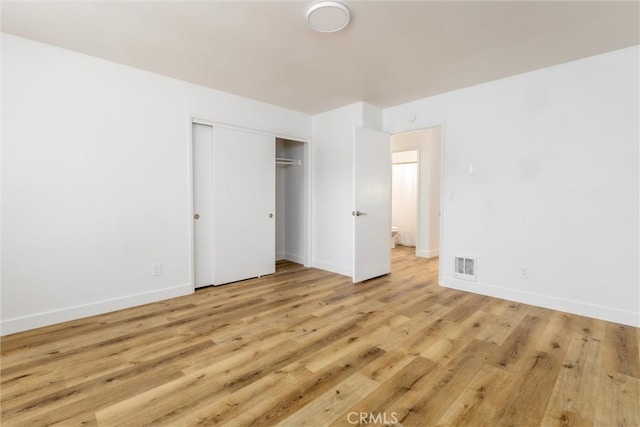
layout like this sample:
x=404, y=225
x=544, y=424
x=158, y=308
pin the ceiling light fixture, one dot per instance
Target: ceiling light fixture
x=328, y=16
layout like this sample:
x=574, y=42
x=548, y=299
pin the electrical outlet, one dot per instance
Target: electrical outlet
x=524, y=272
x=156, y=270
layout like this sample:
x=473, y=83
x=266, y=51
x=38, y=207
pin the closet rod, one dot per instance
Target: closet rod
x=287, y=162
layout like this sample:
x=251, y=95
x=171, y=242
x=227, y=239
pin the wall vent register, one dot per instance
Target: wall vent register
x=465, y=268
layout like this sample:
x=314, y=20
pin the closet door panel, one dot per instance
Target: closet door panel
x=244, y=198
x=203, y=204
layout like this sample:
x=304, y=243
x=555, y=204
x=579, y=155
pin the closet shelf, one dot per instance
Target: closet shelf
x=281, y=161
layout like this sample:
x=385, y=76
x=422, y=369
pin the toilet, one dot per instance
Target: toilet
x=394, y=236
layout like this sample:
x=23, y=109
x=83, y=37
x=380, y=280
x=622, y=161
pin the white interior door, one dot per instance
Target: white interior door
x=244, y=190
x=203, y=204
x=371, y=204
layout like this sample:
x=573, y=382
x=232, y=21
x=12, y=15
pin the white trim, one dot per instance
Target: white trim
x=280, y=256
x=190, y=226
x=419, y=171
x=333, y=268
x=561, y=304
x=422, y=253
x=443, y=154
x=308, y=204
x=428, y=254
x=207, y=122
x=48, y=318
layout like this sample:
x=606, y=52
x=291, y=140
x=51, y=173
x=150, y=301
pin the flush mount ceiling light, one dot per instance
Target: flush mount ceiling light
x=328, y=16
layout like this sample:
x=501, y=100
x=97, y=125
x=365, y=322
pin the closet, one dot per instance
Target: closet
x=290, y=201
x=244, y=203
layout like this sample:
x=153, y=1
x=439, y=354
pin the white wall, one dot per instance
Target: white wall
x=554, y=184
x=280, y=211
x=427, y=142
x=332, y=181
x=296, y=205
x=95, y=180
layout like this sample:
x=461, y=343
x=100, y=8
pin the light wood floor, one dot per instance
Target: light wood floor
x=307, y=347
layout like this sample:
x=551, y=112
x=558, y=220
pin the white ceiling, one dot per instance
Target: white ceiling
x=392, y=52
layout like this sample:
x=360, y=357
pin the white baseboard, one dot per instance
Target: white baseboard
x=561, y=304
x=280, y=256
x=422, y=253
x=334, y=268
x=47, y=318
x=298, y=259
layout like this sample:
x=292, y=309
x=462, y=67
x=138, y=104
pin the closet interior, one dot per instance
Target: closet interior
x=290, y=201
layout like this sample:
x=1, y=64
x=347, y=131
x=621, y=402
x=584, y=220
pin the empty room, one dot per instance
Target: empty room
x=320, y=213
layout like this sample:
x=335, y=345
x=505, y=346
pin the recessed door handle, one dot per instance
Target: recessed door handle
x=196, y=216
x=358, y=213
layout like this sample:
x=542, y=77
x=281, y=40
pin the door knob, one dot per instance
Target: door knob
x=357, y=213
x=196, y=216
x=270, y=215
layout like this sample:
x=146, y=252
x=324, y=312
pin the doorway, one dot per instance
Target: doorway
x=404, y=199
x=417, y=185
x=291, y=200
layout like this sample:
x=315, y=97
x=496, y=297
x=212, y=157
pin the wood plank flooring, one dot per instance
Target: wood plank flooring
x=307, y=347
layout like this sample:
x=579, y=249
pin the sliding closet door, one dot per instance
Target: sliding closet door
x=244, y=203
x=203, y=205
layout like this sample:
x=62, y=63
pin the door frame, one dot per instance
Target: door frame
x=443, y=154
x=199, y=120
